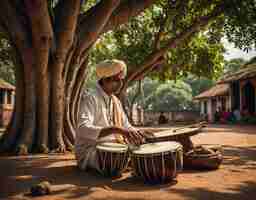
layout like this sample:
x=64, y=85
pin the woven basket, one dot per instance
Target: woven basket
x=203, y=157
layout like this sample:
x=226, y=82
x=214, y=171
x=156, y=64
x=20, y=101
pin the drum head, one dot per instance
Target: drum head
x=156, y=148
x=112, y=147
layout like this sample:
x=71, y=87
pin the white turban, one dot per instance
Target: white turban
x=110, y=68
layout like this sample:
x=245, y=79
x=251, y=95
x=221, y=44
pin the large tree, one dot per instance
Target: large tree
x=51, y=41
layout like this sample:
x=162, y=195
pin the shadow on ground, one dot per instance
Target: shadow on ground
x=17, y=175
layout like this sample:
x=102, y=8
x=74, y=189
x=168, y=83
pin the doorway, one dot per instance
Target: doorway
x=249, y=97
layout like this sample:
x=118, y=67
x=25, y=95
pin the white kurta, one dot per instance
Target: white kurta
x=96, y=112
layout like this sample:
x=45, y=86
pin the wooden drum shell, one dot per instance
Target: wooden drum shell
x=112, y=163
x=158, y=168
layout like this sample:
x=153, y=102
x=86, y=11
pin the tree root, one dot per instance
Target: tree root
x=22, y=150
x=71, y=148
x=43, y=188
x=59, y=149
x=42, y=149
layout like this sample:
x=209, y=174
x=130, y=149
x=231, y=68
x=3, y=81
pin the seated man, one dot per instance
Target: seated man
x=237, y=114
x=225, y=116
x=217, y=115
x=162, y=119
x=101, y=116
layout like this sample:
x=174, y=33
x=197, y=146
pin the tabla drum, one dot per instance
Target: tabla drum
x=113, y=158
x=157, y=162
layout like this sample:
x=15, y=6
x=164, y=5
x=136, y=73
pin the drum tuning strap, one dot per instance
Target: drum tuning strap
x=133, y=147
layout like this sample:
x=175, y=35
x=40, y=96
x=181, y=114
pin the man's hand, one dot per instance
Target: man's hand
x=134, y=136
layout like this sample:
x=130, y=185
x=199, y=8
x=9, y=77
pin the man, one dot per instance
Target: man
x=101, y=116
x=162, y=119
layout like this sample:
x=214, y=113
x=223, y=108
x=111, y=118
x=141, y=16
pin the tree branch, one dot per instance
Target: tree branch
x=42, y=32
x=150, y=61
x=93, y=22
x=65, y=25
x=125, y=11
x=147, y=70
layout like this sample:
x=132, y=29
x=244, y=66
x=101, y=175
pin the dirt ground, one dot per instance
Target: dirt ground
x=236, y=178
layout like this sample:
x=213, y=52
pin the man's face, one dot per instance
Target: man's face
x=114, y=83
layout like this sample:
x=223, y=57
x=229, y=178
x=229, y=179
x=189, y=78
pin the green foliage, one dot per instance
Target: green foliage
x=233, y=65
x=199, y=57
x=251, y=61
x=201, y=54
x=6, y=64
x=240, y=23
x=198, y=85
x=134, y=41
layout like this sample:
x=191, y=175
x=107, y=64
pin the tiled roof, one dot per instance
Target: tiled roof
x=217, y=90
x=6, y=85
x=244, y=73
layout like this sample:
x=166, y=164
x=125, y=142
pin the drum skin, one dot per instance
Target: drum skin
x=112, y=159
x=160, y=167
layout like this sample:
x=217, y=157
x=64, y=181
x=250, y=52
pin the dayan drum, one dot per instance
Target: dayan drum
x=157, y=162
x=113, y=158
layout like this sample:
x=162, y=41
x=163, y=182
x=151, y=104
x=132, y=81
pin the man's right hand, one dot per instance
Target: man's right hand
x=133, y=136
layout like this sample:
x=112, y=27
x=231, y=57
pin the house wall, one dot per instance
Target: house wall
x=151, y=118
x=202, y=108
x=211, y=109
x=5, y=114
x=228, y=102
x=6, y=107
x=253, y=81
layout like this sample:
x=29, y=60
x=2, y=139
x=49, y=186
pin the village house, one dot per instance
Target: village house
x=234, y=91
x=216, y=97
x=7, y=93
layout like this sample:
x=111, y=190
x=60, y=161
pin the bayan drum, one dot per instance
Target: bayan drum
x=157, y=162
x=113, y=158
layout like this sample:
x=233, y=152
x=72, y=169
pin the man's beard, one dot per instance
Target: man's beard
x=118, y=89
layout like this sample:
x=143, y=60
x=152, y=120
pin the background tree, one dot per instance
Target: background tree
x=199, y=85
x=233, y=65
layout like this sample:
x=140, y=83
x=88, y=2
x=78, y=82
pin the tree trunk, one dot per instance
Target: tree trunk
x=32, y=133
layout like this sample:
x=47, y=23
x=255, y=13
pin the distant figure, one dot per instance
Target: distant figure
x=225, y=116
x=237, y=114
x=245, y=115
x=245, y=112
x=217, y=115
x=162, y=119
